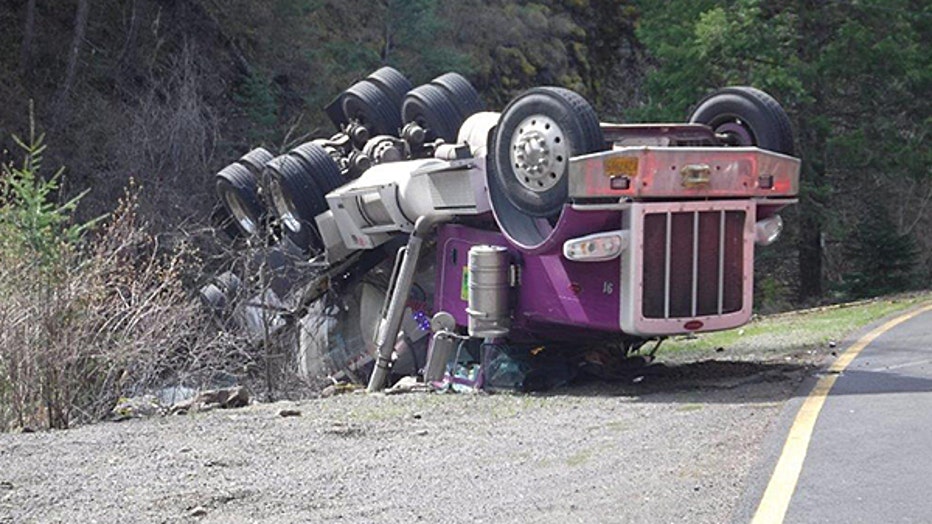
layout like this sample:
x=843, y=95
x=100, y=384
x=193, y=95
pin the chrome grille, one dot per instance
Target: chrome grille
x=693, y=263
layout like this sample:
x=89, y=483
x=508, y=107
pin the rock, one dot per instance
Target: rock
x=6, y=485
x=234, y=397
x=199, y=511
x=225, y=398
x=832, y=343
x=136, y=407
x=420, y=432
x=289, y=413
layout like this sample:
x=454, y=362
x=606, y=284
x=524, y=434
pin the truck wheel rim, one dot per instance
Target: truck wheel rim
x=284, y=207
x=240, y=214
x=737, y=130
x=539, y=153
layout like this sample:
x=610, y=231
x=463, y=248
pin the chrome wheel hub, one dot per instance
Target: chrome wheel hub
x=539, y=153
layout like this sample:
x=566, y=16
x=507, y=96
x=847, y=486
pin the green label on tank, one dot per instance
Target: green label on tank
x=464, y=290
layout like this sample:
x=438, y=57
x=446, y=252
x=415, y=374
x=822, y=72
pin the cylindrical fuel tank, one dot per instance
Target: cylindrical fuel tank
x=489, y=314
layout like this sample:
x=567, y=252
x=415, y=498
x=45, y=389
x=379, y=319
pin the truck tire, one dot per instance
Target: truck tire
x=255, y=160
x=538, y=133
x=392, y=83
x=748, y=117
x=430, y=107
x=238, y=190
x=224, y=223
x=220, y=293
x=296, y=199
x=372, y=107
x=323, y=169
x=230, y=284
x=213, y=298
x=463, y=95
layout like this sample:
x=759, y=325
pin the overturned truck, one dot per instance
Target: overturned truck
x=543, y=222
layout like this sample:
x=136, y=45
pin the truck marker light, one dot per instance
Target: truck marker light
x=620, y=183
x=765, y=181
x=783, y=185
x=597, y=247
x=768, y=230
x=693, y=325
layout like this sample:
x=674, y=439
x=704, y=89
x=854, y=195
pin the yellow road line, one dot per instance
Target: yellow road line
x=776, y=499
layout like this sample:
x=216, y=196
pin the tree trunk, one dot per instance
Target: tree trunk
x=129, y=44
x=80, y=28
x=814, y=31
x=29, y=32
x=810, y=255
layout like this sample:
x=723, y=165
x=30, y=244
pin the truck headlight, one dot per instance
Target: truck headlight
x=596, y=247
x=768, y=230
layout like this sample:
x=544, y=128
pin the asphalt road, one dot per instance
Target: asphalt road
x=870, y=454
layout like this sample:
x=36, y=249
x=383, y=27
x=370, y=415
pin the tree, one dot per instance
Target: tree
x=851, y=75
x=883, y=262
x=74, y=52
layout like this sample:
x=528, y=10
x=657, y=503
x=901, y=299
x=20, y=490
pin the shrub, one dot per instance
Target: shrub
x=89, y=311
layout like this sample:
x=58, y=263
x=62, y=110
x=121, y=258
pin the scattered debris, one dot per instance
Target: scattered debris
x=408, y=385
x=342, y=429
x=338, y=389
x=289, y=413
x=172, y=395
x=152, y=405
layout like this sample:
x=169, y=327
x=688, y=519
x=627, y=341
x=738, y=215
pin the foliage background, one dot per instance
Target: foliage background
x=168, y=91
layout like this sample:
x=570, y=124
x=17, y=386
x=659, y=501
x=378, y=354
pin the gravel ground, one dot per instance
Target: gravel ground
x=673, y=446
